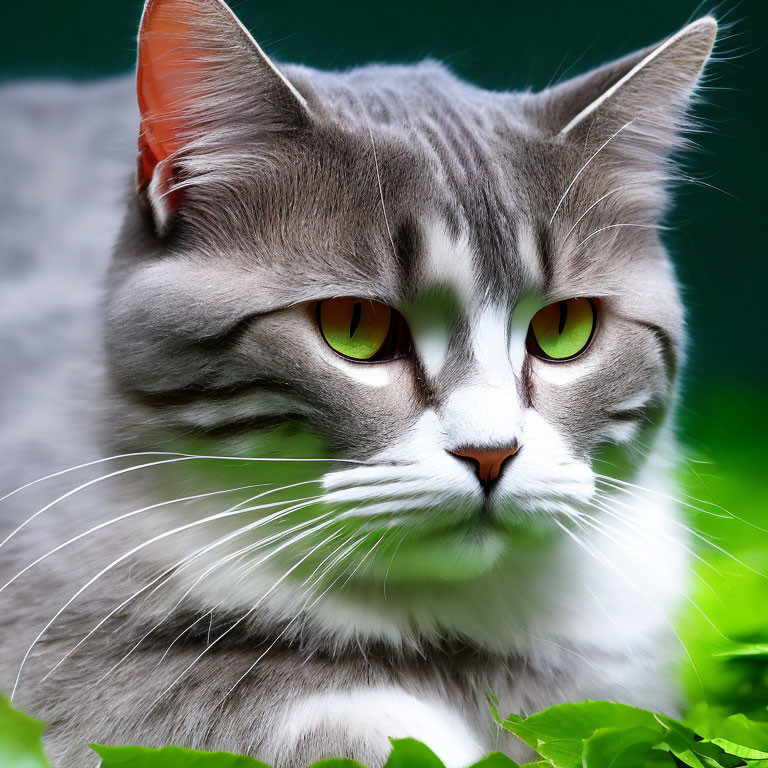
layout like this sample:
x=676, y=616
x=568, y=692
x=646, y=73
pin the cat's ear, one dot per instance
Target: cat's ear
x=643, y=96
x=201, y=78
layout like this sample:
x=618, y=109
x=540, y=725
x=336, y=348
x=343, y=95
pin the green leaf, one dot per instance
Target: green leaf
x=409, y=753
x=170, y=757
x=622, y=748
x=517, y=725
x=558, y=733
x=337, y=762
x=681, y=749
x=740, y=751
x=749, y=733
x=691, y=750
x=496, y=760
x=20, y=745
x=681, y=741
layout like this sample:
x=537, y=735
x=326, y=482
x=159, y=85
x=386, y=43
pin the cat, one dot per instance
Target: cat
x=375, y=413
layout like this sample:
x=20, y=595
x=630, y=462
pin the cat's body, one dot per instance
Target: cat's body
x=402, y=645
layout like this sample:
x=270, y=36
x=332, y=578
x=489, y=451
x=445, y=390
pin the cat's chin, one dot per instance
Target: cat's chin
x=451, y=555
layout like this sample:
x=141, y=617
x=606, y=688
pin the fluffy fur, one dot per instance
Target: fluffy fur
x=370, y=587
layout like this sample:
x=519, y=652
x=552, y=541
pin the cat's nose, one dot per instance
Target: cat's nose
x=488, y=463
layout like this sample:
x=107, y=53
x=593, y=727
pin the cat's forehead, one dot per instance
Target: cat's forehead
x=411, y=185
x=455, y=181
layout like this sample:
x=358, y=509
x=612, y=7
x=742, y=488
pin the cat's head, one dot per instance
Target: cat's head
x=460, y=293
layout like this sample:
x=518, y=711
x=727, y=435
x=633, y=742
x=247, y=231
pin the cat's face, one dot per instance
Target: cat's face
x=460, y=293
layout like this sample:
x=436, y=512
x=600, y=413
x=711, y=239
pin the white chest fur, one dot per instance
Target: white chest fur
x=374, y=715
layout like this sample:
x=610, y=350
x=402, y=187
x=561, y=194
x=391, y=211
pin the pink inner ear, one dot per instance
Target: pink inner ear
x=167, y=80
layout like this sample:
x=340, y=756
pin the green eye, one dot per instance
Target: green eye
x=362, y=329
x=562, y=330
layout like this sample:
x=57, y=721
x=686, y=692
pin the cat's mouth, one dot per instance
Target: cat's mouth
x=490, y=516
x=420, y=508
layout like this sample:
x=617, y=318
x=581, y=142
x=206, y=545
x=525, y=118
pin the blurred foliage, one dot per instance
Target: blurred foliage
x=725, y=627
x=603, y=734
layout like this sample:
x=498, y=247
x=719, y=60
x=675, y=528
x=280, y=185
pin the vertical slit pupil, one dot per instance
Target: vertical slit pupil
x=563, y=316
x=357, y=313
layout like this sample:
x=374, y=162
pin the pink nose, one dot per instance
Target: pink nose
x=488, y=463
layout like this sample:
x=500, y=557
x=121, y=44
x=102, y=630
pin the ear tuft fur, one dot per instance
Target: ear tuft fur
x=644, y=95
x=203, y=84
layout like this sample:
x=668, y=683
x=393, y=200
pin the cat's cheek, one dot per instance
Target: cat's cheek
x=361, y=722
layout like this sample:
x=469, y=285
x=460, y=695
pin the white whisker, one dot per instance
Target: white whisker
x=392, y=560
x=253, y=566
x=363, y=559
x=603, y=528
x=604, y=503
x=584, y=167
x=116, y=520
x=185, y=561
x=381, y=191
x=606, y=561
x=177, y=458
x=711, y=543
x=245, y=615
x=295, y=618
x=621, y=485
x=88, y=464
x=349, y=543
x=87, y=485
x=625, y=518
x=616, y=226
x=598, y=201
x=218, y=564
x=119, y=560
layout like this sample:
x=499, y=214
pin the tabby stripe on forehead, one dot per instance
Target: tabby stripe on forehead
x=471, y=175
x=494, y=239
x=545, y=257
x=409, y=250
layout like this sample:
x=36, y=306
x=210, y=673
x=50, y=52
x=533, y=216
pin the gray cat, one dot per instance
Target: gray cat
x=377, y=412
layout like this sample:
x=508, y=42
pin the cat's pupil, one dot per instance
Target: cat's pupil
x=357, y=313
x=563, y=305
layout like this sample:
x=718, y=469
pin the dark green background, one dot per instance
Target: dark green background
x=718, y=242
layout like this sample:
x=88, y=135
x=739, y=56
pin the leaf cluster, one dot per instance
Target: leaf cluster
x=604, y=734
